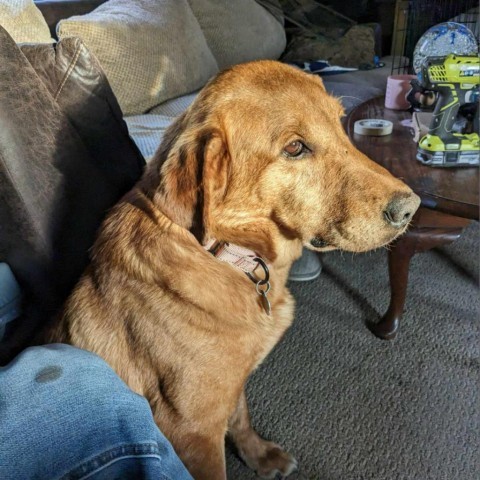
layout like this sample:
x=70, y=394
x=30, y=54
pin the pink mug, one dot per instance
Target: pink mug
x=397, y=88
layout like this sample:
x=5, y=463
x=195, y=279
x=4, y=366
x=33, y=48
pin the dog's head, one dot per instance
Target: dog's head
x=261, y=158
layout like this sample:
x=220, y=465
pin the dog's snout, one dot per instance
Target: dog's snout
x=401, y=209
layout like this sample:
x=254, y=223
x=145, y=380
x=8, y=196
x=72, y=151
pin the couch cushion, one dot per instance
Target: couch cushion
x=147, y=131
x=151, y=50
x=175, y=106
x=24, y=21
x=239, y=31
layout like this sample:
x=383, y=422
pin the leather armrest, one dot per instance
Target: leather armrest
x=65, y=159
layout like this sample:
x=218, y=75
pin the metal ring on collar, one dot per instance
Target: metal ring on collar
x=262, y=263
x=265, y=280
x=260, y=291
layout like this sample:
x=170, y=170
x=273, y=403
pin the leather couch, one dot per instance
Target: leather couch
x=65, y=159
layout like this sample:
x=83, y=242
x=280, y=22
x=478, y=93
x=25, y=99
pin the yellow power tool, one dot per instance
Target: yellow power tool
x=456, y=80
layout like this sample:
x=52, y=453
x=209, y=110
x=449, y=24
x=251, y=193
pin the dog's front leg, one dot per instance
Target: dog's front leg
x=203, y=456
x=266, y=458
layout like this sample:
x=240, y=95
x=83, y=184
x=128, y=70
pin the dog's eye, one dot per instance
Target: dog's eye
x=295, y=149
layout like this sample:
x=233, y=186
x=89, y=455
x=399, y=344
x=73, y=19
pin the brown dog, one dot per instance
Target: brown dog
x=259, y=160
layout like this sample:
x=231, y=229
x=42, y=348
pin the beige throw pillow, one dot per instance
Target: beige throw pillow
x=24, y=21
x=151, y=50
x=239, y=30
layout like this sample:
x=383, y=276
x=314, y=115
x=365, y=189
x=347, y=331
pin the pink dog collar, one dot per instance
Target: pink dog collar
x=247, y=261
x=239, y=257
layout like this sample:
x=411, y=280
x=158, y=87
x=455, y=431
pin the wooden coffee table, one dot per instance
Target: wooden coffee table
x=449, y=201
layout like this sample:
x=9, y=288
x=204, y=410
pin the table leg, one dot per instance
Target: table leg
x=398, y=267
x=429, y=230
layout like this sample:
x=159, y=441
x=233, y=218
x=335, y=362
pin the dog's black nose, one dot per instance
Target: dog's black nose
x=401, y=209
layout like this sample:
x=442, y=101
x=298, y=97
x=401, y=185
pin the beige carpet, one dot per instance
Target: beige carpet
x=349, y=406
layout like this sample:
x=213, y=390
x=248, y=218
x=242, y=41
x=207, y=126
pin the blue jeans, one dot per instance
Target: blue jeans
x=65, y=414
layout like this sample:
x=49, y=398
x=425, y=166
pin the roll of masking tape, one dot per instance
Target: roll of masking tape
x=373, y=126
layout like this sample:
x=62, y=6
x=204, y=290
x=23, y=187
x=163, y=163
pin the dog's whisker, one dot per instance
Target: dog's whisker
x=349, y=96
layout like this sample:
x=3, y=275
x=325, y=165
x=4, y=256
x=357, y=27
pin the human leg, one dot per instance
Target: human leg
x=65, y=414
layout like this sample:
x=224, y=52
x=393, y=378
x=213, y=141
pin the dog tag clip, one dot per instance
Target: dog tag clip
x=263, y=285
x=263, y=294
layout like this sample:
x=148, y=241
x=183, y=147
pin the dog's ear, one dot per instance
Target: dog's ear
x=229, y=222
x=188, y=173
x=189, y=179
x=216, y=167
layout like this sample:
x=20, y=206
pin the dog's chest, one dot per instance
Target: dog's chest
x=280, y=320
x=257, y=333
x=235, y=338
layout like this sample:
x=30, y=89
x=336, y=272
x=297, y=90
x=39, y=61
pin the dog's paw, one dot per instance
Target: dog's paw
x=270, y=460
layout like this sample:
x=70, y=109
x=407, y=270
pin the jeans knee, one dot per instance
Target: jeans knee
x=77, y=376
